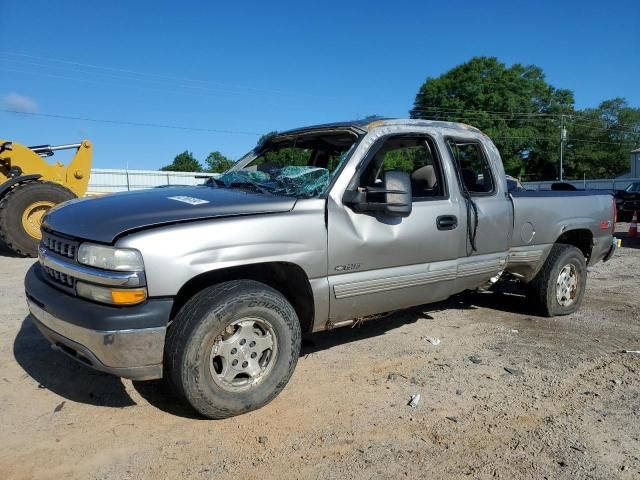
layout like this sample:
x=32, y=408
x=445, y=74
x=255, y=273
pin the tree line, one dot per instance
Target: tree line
x=215, y=162
x=522, y=113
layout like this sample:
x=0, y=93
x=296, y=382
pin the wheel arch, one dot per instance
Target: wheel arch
x=287, y=278
x=581, y=238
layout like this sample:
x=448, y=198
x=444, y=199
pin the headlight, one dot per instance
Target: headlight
x=110, y=258
x=112, y=296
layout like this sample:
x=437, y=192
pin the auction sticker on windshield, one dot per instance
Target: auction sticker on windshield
x=189, y=200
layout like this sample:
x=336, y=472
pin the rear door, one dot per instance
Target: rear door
x=488, y=218
x=379, y=263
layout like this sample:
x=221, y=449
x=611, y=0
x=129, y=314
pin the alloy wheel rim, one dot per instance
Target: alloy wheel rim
x=243, y=354
x=567, y=286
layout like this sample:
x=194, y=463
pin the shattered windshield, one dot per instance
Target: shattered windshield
x=301, y=167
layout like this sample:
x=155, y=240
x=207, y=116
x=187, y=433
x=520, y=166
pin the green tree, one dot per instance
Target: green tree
x=216, y=162
x=184, y=162
x=514, y=105
x=599, y=140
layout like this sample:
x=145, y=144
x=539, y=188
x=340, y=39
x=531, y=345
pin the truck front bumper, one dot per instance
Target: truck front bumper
x=124, y=341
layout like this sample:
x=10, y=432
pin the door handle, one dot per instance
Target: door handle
x=447, y=222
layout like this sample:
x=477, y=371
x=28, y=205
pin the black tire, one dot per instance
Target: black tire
x=12, y=206
x=542, y=290
x=200, y=323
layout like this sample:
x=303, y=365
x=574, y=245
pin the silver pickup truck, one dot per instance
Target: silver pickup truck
x=318, y=227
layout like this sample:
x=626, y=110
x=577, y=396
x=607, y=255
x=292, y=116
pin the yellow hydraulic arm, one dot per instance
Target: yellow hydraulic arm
x=18, y=160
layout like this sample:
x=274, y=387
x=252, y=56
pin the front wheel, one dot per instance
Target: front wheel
x=559, y=286
x=232, y=348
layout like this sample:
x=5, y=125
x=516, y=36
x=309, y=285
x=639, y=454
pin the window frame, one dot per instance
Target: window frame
x=437, y=158
x=456, y=165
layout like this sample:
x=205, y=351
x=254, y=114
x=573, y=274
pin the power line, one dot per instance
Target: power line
x=520, y=121
x=237, y=132
x=569, y=139
x=509, y=114
x=488, y=112
x=111, y=84
x=257, y=90
x=128, y=123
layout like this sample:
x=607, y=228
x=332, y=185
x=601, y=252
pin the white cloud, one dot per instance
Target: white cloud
x=19, y=103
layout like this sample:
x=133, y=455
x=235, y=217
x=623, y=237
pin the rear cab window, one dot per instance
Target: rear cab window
x=472, y=165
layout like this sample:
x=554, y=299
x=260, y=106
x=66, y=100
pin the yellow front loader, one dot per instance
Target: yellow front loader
x=30, y=186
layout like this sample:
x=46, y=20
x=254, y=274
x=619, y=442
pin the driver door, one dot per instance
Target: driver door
x=379, y=263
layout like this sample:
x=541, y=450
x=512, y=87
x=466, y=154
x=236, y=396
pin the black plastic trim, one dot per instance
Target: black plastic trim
x=153, y=313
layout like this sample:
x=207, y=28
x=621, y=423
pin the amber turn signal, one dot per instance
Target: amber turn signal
x=128, y=297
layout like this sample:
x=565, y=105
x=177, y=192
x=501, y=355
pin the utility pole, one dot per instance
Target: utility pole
x=563, y=137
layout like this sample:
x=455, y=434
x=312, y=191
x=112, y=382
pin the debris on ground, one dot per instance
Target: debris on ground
x=415, y=399
x=513, y=371
x=452, y=419
x=59, y=407
x=263, y=439
x=637, y=352
x=432, y=340
x=394, y=376
x=513, y=330
x=475, y=359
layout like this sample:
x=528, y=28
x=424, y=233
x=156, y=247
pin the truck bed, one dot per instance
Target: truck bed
x=542, y=217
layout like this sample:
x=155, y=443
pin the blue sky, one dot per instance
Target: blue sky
x=252, y=67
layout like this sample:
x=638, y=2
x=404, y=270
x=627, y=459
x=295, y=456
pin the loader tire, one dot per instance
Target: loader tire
x=559, y=286
x=21, y=213
x=232, y=348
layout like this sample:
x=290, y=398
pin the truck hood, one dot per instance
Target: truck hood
x=103, y=219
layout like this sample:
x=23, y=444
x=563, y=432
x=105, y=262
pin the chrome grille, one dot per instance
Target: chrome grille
x=59, y=277
x=64, y=247
x=60, y=245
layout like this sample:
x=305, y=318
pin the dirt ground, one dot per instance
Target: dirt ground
x=505, y=394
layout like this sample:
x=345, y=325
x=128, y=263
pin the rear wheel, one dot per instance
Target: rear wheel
x=22, y=211
x=559, y=286
x=232, y=348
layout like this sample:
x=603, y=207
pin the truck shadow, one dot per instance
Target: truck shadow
x=157, y=393
x=507, y=299
x=54, y=371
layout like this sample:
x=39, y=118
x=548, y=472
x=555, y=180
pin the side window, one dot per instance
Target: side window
x=414, y=155
x=472, y=164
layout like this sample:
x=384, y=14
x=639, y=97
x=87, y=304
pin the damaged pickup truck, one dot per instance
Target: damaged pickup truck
x=212, y=286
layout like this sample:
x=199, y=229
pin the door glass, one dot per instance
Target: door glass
x=413, y=155
x=472, y=164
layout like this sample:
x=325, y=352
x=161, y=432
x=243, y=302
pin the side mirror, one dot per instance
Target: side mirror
x=393, y=198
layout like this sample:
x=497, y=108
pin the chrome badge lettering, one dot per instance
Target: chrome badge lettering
x=347, y=268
